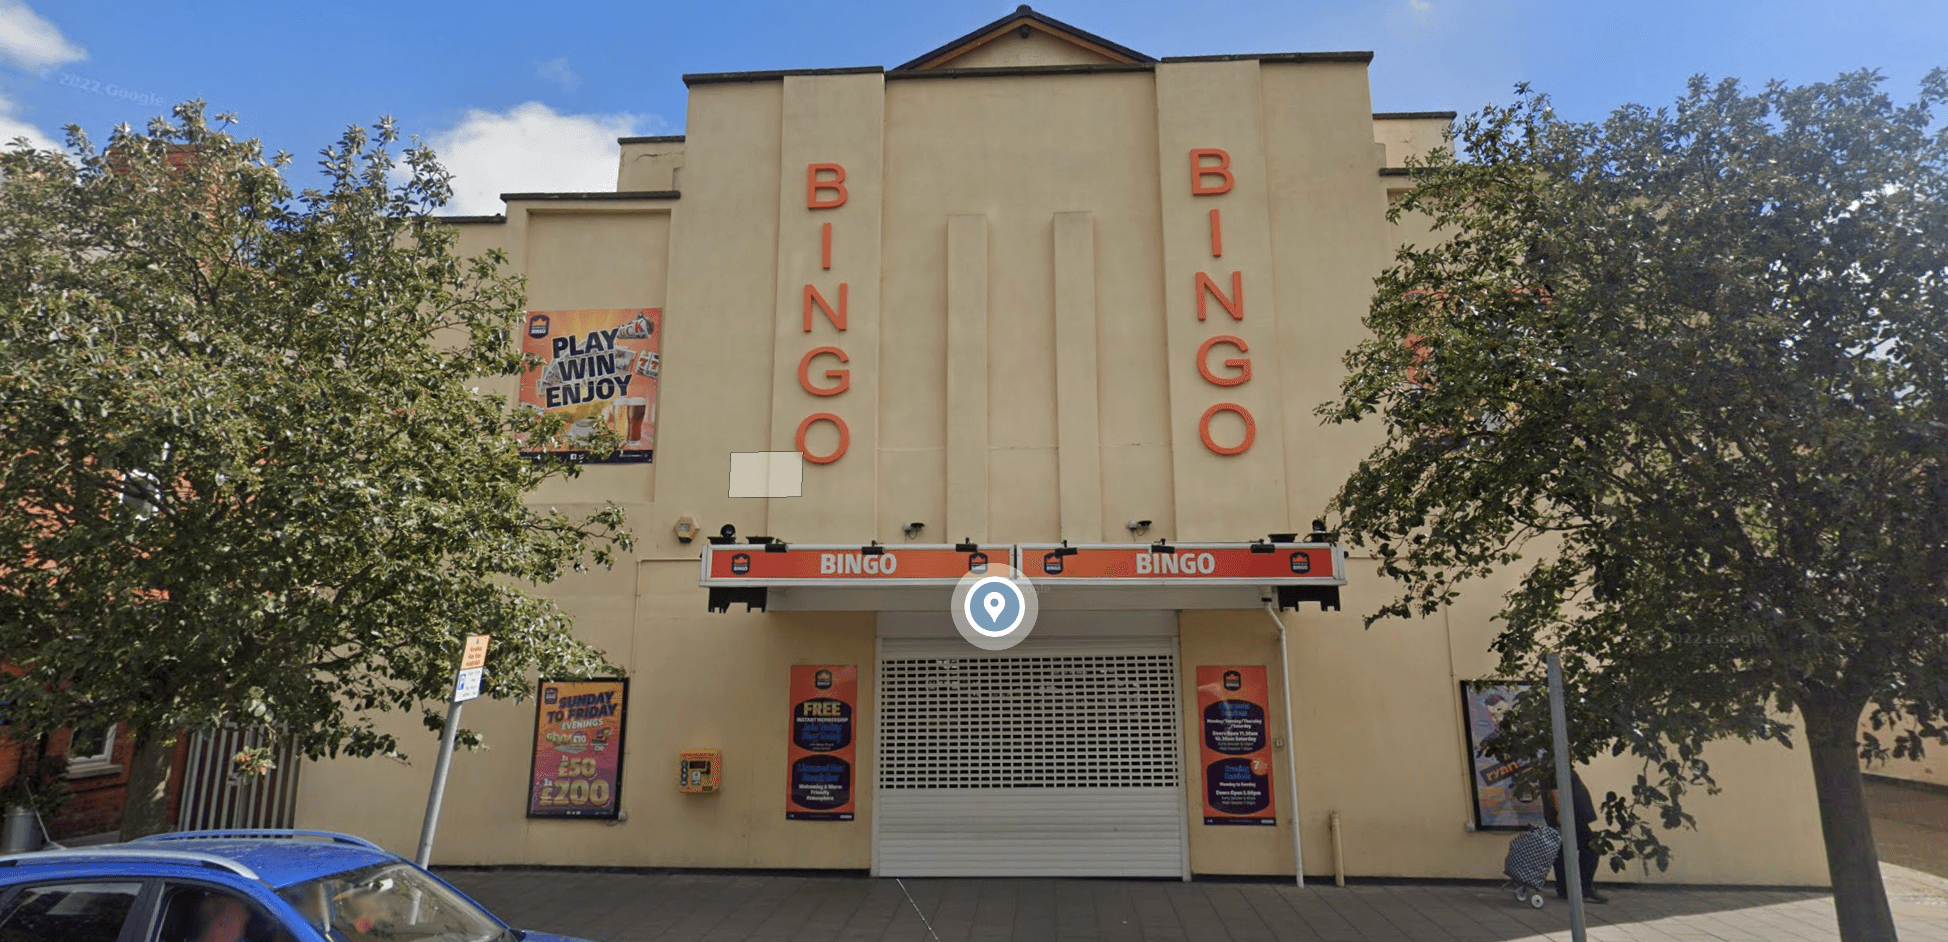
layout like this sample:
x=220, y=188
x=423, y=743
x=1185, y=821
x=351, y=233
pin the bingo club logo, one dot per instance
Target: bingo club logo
x=538, y=326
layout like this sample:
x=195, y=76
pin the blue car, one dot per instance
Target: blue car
x=238, y=886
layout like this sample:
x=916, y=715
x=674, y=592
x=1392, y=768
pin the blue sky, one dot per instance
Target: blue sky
x=529, y=96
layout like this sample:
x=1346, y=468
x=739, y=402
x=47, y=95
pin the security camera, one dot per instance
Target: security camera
x=913, y=528
x=1138, y=526
x=728, y=531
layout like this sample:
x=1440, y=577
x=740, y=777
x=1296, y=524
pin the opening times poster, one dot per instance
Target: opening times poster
x=577, y=769
x=1234, y=745
x=598, y=368
x=1497, y=807
x=824, y=732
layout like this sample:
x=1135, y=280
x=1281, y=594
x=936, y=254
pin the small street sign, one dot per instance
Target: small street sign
x=475, y=655
x=467, y=685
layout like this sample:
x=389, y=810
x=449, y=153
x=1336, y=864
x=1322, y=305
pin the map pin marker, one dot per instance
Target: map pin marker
x=994, y=603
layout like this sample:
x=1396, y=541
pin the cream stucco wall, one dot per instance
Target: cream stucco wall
x=1930, y=769
x=650, y=164
x=1412, y=134
x=1020, y=254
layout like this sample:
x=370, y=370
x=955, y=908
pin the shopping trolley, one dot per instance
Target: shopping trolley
x=1531, y=855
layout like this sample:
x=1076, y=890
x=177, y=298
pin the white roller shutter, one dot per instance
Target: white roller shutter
x=1058, y=757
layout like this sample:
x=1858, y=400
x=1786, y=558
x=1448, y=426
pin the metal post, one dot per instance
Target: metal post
x=425, y=855
x=1566, y=801
x=1291, y=746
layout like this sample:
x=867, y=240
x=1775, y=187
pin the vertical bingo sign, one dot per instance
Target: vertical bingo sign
x=1234, y=747
x=822, y=746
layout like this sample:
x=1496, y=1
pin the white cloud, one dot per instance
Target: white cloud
x=12, y=127
x=33, y=44
x=30, y=42
x=558, y=72
x=530, y=148
x=1420, y=6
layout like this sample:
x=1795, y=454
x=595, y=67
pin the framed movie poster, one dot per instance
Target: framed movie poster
x=598, y=368
x=1497, y=807
x=1234, y=745
x=820, y=752
x=577, y=768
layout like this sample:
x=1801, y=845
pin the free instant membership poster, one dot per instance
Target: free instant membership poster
x=1497, y=807
x=823, y=733
x=598, y=368
x=577, y=770
x=1235, y=747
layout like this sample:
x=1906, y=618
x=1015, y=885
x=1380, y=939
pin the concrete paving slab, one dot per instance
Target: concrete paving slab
x=1910, y=825
x=664, y=907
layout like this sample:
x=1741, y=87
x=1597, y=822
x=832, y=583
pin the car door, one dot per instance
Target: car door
x=194, y=911
x=80, y=910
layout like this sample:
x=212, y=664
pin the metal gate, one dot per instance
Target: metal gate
x=215, y=796
x=1049, y=759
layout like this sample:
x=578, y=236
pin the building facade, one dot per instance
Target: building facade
x=1030, y=289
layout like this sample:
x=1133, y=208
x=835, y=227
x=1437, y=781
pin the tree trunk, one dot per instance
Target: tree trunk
x=1832, y=732
x=146, y=809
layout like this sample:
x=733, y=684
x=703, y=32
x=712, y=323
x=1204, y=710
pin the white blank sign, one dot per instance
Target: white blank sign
x=766, y=473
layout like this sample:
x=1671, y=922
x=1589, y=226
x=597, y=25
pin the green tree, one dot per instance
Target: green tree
x=248, y=476
x=1691, y=363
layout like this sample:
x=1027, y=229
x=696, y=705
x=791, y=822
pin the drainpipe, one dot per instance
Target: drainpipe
x=1338, y=854
x=1291, y=745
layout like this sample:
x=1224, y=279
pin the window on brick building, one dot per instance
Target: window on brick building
x=91, y=750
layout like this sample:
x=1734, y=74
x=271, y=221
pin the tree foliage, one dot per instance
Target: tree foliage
x=1686, y=368
x=248, y=476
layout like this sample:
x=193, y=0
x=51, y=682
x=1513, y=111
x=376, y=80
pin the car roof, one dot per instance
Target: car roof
x=275, y=858
x=281, y=862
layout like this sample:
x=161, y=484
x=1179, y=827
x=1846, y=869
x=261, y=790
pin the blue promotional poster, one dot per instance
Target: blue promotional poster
x=820, y=754
x=1235, y=747
x=1497, y=806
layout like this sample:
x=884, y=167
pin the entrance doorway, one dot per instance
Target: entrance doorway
x=1061, y=756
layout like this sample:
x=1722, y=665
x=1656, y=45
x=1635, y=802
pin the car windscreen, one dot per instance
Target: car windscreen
x=389, y=902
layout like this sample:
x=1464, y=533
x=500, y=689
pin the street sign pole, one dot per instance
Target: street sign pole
x=445, y=762
x=466, y=686
x=1572, y=871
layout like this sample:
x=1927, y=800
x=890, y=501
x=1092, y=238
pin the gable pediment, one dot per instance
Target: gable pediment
x=1025, y=38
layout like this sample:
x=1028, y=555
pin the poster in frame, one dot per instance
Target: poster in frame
x=595, y=368
x=821, y=749
x=1491, y=781
x=576, y=768
x=1234, y=747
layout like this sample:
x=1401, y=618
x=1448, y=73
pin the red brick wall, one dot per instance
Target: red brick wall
x=95, y=801
x=10, y=753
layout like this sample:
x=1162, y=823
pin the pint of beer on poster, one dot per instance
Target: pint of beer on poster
x=628, y=416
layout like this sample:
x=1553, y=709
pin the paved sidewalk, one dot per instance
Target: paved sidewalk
x=1910, y=827
x=1910, y=824
x=756, y=907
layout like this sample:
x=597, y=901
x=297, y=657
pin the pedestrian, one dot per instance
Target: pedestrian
x=1585, y=811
